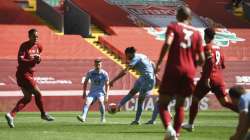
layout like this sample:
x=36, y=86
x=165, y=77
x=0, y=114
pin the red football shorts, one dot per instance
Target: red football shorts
x=177, y=84
x=25, y=80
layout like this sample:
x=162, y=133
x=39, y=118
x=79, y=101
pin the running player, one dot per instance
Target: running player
x=28, y=57
x=211, y=79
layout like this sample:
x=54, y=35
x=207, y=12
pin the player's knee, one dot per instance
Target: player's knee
x=88, y=103
x=27, y=99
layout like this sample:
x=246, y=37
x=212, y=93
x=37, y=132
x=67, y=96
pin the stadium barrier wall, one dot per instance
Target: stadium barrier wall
x=76, y=21
x=75, y=103
x=50, y=15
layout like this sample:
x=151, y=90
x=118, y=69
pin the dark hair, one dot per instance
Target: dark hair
x=130, y=50
x=98, y=60
x=183, y=13
x=210, y=33
x=32, y=31
x=236, y=91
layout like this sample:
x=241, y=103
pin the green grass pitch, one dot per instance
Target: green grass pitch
x=210, y=125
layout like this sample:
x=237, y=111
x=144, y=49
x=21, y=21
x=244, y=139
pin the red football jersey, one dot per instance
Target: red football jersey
x=186, y=46
x=26, y=54
x=214, y=65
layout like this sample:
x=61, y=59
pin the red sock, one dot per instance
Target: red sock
x=178, y=119
x=39, y=103
x=165, y=115
x=193, y=112
x=19, y=106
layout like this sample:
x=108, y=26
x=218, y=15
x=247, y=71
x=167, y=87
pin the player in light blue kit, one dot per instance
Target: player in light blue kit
x=241, y=98
x=98, y=90
x=143, y=85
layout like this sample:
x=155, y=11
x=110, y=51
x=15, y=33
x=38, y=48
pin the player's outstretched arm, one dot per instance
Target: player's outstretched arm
x=164, y=50
x=120, y=75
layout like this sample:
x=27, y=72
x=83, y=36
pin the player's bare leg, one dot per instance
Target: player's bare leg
x=224, y=101
x=164, y=100
x=221, y=95
x=200, y=91
x=88, y=102
x=179, y=114
x=102, y=109
x=19, y=106
x=39, y=103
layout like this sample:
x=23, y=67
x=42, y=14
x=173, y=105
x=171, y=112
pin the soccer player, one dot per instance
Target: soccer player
x=211, y=79
x=143, y=85
x=241, y=98
x=98, y=90
x=184, y=46
x=28, y=57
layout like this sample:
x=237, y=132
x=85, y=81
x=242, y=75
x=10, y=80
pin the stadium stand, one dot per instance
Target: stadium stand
x=66, y=57
x=123, y=33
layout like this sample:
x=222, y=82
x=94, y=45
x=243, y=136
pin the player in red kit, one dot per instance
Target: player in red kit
x=184, y=45
x=211, y=79
x=28, y=58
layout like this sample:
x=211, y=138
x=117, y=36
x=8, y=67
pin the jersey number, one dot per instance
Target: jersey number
x=217, y=57
x=188, y=37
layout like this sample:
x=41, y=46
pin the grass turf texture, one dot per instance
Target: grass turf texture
x=210, y=125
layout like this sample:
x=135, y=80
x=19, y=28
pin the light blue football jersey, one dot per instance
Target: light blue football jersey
x=142, y=64
x=244, y=104
x=97, y=79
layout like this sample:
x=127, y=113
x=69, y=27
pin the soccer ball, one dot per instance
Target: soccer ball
x=112, y=108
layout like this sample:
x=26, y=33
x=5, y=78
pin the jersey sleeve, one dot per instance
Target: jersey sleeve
x=169, y=32
x=243, y=105
x=88, y=75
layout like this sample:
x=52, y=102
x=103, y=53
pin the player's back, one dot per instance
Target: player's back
x=142, y=64
x=218, y=58
x=186, y=45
